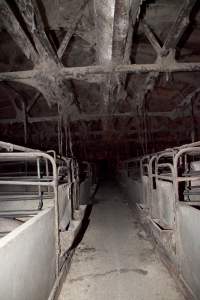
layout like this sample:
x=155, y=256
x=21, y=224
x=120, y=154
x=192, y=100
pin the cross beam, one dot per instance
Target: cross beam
x=166, y=50
x=30, y=120
x=81, y=73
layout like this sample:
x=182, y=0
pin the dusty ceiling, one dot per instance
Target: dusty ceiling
x=111, y=79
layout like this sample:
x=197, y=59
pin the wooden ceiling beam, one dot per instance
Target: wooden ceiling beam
x=164, y=66
x=168, y=49
x=39, y=80
x=172, y=115
x=16, y=31
x=71, y=31
x=152, y=37
x=51, y=84
x=127, y=133
x=30, y=120
x=98, y=143
x=81, y=73
x=180, y=25
x=34, y=22
x=125, y=20
x=33, y=101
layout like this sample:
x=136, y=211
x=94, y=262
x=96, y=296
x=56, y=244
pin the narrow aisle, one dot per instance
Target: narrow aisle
x=114, y=260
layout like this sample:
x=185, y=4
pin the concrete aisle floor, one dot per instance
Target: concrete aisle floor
x=114, y=259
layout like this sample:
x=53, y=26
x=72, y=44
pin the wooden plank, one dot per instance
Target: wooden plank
x=180, y=25
x=30, y=120
x=81, y=73
x=152, y=38
x=33, y=102
x=174, y=36
x=14, y=28
x=33, y=19
x=71, y=30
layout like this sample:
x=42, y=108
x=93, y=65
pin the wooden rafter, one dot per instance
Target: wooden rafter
x=14, y=28
x=172, y=115
x=31, y=120
x=180, y=25
x=152, y=38
x=71, y=30
x=50, y=80
x=168, y=48
x=128, y=133
x=34, y=100
x=33, y=19
x=162, y=139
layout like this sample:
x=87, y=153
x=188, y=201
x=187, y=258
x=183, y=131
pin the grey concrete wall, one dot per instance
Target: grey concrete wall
x=189, y=218
x=85, y=188
x=27, y=259
x=155, y=212
x=188, y=252
x=65, y=206
x=28, y=204
x=144, y=189
x=163, y=198
x=165, y=201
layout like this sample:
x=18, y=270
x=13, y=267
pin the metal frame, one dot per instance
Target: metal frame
x=51, y=181
x=12, y=147
x=183, y=151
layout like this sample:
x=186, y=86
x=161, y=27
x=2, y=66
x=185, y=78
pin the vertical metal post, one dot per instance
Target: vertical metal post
x=47, y=174
x=39, y=187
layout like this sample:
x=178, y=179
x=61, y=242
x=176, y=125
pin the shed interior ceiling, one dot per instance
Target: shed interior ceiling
x=100, y=111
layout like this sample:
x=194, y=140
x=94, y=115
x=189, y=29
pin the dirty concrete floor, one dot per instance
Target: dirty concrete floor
x=115, y=259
